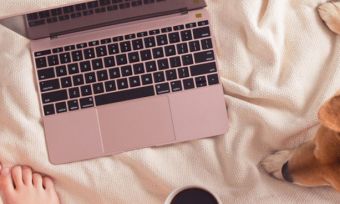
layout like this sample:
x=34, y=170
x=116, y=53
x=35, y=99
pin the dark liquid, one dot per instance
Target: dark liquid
x=194, y=196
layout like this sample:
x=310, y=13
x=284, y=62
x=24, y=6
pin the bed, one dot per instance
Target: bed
x=279, y=63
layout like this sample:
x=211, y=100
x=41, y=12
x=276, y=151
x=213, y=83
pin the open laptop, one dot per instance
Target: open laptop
x=119, y=75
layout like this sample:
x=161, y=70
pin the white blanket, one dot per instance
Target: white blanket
x=279, y=63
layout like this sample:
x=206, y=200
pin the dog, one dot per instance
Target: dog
x=317, y=162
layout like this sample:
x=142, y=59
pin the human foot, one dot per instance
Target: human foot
x=20, y=185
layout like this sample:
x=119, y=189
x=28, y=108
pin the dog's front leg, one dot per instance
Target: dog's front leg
x=273, y=163
x=330, y=14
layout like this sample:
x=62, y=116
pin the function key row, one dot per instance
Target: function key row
x=196, y=32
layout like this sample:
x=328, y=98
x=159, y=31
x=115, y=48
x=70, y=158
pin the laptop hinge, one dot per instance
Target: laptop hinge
x=182, y=11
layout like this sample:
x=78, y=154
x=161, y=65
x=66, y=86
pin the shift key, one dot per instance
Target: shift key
x=54, y=96
x=203, y=69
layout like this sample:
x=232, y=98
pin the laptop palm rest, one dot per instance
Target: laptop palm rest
x=136, y=124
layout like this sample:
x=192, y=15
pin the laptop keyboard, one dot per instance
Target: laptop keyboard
x=83, y=9
x=126, y=67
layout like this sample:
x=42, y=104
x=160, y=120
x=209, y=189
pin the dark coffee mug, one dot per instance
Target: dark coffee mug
x=192, y=195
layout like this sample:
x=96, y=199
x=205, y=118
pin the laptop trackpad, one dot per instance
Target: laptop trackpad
x=136, y=124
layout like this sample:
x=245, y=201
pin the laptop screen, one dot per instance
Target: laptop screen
x=94, y=14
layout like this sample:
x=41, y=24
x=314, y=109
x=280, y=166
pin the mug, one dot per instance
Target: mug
x=192, y=195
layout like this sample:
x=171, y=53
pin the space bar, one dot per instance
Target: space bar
x=124, y=95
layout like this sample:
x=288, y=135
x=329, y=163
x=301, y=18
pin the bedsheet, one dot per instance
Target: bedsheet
x=279, y=63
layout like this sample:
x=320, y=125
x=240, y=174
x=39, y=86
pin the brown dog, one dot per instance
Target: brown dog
x=315, y=163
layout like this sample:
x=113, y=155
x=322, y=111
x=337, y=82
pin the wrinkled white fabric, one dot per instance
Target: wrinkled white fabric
x=278, y=64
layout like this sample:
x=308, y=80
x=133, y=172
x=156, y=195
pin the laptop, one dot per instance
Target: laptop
x=118, y=75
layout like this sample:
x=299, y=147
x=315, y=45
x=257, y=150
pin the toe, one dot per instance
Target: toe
x=17, y=176
x=27, y=175
x=37, y=180
x=6, y=183
x=48, y=183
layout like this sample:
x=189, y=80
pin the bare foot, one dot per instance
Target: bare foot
x=20, y=185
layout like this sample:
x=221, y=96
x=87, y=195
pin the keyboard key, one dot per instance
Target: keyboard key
x=65, y=58
x=146, y=55
x=85, y=66
x=105, y=41
x=147, y=79
x=194, y=46
x=74, y=92
x=56, y=12
x=187, y=59
x=73, y=105
x=213, y=79
x=142, y=34
x=61, y=107
x=49, y=85
x=97, y=64
x=138, y=68
x=81, y=45
x=151, y=66
x=41, y=62
x=86, y=90
x=77, y=56
x=57, y=50
x=162, y=88
x=101, y=51
x=68, y=9
x=94, y=43
x=171, y=74
x=201, y=81
x=182, y=48
x=204, y=56
x=44, y=14
x=46, y=73
x=130, y=36
x=66, y=82
x=166, y=30
x=179, y=27
x=122, y=83
x=183, y=72
x=174, y=37
x=157, y=52
x=86, y=102
x=121, y=59
x=89, y=53
x=203, y=23
x=201, y=32
x=175, y=62
x=90, y=77
x=110, y=86
x=125, y=46
x=162, y=40
x=54, y=96
x=98, y=88
x=188, y=84
x=53, y=60
x=126, y=70
x=154, y=32
x=133, y=57
x=73, y=68
x=137, y=44
x=150, y=42
x=134, y=81
x=170, y=50
x=49, y=110
x=190, y=25
x=186, y=35
x=61, y=70
x=113, y=48
x=102, y=75
x=118, y=38
x=159, y=77
x=176, y=86
x=36, y=23
x=78, y=80
x=42, y=53
x=206, y=44
x=32, y=16
x=109, y=61
x=203, y=69
x=70, y=47
x=124, y=95
x=114, y=73
x=163, y=64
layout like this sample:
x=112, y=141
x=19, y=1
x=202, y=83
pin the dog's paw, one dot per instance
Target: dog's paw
x=330, y=13
x=273, y=163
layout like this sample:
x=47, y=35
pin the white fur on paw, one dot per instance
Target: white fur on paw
x=330, y=13
x=273, y=163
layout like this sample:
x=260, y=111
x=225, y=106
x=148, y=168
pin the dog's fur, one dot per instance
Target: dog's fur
x=315, y=163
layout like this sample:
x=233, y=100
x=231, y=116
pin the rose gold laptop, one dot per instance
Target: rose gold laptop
x=119, y=75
